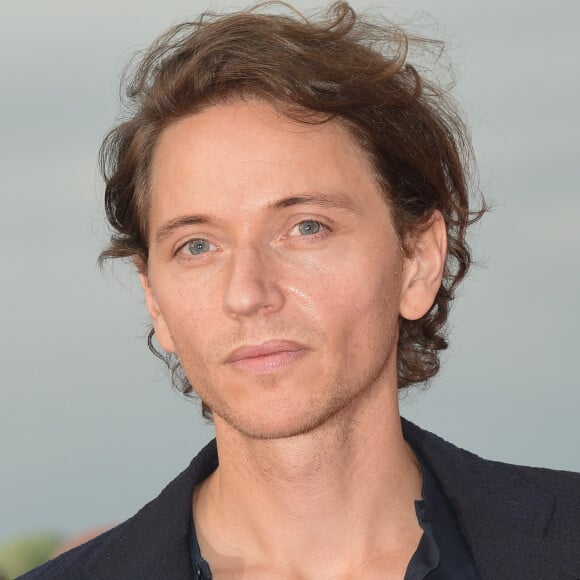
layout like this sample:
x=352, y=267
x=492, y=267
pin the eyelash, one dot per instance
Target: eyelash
x=324, y=230
x=187, y=255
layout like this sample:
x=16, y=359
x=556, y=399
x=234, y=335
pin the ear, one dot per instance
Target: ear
x=423, y=270
x=162, y=333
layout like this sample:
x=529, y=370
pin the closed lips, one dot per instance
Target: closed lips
x=265, y=349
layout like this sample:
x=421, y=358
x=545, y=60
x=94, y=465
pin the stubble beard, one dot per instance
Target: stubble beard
x=335, y=404
x=333, y=398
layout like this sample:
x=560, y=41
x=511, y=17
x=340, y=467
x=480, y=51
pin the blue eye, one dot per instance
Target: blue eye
x=309, y=227
x=196, y=247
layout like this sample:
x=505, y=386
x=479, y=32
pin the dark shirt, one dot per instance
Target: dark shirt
x=440, y=555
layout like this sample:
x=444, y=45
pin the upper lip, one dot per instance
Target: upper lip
x=264, y=349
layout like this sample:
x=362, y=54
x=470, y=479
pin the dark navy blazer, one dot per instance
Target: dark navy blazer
x=520, y=523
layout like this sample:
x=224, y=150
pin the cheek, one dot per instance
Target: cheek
x=350, y=296
x=370, y=324
x=188, y=309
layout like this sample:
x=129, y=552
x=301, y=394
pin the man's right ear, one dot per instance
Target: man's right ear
x=162, y=333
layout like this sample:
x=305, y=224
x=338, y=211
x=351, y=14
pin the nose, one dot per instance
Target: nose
x=253, y=285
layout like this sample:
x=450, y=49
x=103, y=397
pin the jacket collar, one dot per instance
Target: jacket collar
x=154, y=543
x=509, y=522
x=506, y=517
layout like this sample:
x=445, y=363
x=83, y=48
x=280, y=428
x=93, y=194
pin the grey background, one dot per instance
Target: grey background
x=89, y=426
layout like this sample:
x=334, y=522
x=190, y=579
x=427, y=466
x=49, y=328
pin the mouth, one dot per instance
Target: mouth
x=266, y=357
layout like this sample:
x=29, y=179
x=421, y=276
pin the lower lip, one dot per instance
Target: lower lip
x=268, y=363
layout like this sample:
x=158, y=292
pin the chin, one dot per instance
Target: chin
x=263, y=422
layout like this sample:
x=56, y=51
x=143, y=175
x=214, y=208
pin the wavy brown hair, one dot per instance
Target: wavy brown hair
x=335, y=66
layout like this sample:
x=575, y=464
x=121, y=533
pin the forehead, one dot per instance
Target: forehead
x=241, y=156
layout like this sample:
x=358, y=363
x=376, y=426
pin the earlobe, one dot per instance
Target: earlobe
x=162, y=333
x=423, y=271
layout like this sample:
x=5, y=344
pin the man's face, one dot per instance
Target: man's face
x=272, y=237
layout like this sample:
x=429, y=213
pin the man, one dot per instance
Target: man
x=295, y=198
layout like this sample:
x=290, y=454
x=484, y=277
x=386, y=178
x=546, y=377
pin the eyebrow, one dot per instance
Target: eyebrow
x=333, y=201
x=169, y=227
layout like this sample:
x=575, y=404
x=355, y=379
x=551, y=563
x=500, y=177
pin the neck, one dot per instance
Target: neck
x=340, y=491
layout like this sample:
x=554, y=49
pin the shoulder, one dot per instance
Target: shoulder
x=70, y=564
x=559, y=481
x=518, y=521
x=446, y=457
x=152, y=544
x=463, y=472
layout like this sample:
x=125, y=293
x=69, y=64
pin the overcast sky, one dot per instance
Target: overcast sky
x=89, y=427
